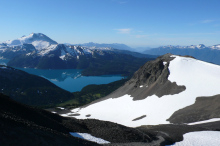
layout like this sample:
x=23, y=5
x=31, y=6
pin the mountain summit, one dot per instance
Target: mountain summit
x=38, y=40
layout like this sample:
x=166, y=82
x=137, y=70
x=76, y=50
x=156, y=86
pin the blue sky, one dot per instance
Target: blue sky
x=146, y=23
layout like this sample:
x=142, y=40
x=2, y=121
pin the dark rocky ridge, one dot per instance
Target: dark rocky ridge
x=153, y=76
x=203, y=109
x=25, y=125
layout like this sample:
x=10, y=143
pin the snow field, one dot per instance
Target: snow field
x=202, y=138
x=205, y=121
x=89, y=137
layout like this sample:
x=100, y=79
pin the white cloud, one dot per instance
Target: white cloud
x=123, y=2
x=141, y=36
x=207, y=21
x=120, y=1
x=216, y=25
x=124, y=30
x=132, y=33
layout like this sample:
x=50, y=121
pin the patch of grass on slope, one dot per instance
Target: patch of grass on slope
x=91, y=93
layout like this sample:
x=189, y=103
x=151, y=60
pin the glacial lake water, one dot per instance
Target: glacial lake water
x=69, y=79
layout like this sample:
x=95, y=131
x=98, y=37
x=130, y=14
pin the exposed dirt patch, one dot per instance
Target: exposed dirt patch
x=74, y=115
x=139, y=118
x=171, y=133
x=116, y=133
x=88, y=115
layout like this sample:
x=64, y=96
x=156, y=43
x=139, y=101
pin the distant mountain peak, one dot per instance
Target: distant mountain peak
x=201, y=46
x=217, y=47
x=38, y=40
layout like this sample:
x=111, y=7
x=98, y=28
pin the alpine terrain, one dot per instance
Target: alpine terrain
x=172, y=89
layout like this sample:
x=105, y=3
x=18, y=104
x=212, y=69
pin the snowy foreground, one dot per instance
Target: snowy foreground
x=200, y=79
x=89, y=137
x=202, y=138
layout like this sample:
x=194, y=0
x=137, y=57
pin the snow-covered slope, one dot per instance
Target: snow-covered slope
x=38, y=40
x=206, y=121
x=201, y=138
x=134, y=106
x=89, y=137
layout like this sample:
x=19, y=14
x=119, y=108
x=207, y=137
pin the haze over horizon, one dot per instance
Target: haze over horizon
x=142, y=23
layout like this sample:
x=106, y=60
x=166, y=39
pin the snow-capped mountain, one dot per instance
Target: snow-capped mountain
x=202, y=52
x=159, y=89
x=114, y=45
x=97, y=61
x=217, y=47
x=200, y=46
x=38, y=40
x=65, y=52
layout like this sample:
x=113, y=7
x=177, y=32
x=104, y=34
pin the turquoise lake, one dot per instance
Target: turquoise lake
x=69, y=79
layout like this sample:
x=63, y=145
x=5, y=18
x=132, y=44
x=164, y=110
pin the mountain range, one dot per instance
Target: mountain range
x=39, y=51
x=202, y=52
x=114, y=45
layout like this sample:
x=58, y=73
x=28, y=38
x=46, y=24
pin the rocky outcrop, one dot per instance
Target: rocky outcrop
x=203, y=109
x=150, y=79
